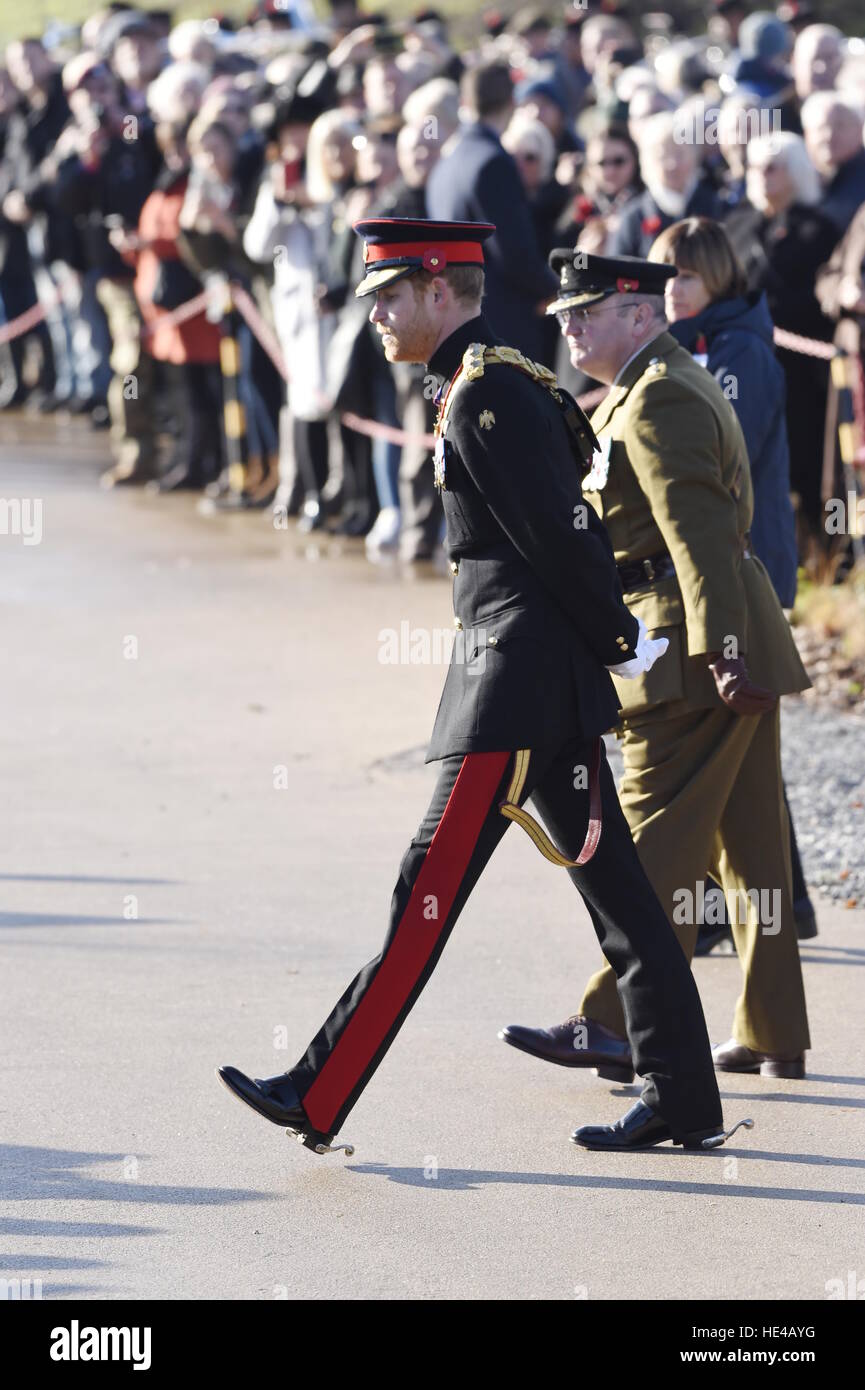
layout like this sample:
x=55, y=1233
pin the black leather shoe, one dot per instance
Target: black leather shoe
x=578, y=1042
x=275, y=1098
x=642, y=1128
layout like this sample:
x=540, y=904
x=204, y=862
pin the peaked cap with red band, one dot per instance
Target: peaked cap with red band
x=584, y=279
x=398, y=246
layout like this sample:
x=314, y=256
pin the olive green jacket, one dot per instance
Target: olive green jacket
x=673, y=476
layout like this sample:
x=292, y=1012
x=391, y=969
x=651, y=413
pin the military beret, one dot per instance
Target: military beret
x=398, y=246
x=583, y=278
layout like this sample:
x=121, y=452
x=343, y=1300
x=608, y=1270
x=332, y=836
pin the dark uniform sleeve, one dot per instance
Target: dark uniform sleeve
x=522, y=465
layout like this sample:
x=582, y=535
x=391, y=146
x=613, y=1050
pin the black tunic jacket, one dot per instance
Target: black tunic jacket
x=537, y=600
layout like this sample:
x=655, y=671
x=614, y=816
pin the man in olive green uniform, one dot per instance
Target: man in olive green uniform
x=700, y=731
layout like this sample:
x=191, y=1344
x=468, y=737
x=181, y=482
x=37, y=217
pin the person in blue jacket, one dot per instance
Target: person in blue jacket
x=731, y=332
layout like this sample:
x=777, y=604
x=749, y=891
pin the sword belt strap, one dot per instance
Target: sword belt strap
x=513, y=811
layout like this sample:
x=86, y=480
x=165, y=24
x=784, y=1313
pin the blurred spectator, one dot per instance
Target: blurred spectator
x=841, y=293
x=735, y=128
x=290, y=229
x=600, y=36
x=17, y=290
x=26, y=191
x=782, y=238
x=189, y=351
x=433, y=109
x=102, y=186
x=212, y=222
x=833, y=136
x=648, y=100
x=712, y=314
x=568, y=68
x=478, y=182
x=541, y=100
x=177, y=92
x=133, y=43
x=534, y=151
x=762, y=67
x=385, y=86
x=608, y=182
x=726, y=21
x=675, y=188
x=191, y=42
x=817, y=58
x=533, y=27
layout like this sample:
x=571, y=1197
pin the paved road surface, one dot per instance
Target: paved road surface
x=166, y=907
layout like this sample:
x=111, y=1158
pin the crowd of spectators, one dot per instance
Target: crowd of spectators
x=143, y=162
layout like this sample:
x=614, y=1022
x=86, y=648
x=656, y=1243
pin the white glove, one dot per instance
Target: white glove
x=648, y=651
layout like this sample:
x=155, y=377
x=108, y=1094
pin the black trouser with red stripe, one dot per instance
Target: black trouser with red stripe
x=455, y=840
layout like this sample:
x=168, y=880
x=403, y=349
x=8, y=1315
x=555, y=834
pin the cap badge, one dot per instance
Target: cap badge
x=626, y=286
x=434, y=259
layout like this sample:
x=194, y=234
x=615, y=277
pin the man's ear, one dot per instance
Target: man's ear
x=439, y=290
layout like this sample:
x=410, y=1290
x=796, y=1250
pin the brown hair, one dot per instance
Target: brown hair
x=487, y=88
x=702, y=246
x=466, y=282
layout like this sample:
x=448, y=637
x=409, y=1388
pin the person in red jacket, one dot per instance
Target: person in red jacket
x=187, y=351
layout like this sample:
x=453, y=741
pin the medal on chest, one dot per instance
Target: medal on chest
x=439, y=463
x=596, y=478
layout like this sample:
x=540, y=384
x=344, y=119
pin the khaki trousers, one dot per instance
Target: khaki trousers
x=702, y=791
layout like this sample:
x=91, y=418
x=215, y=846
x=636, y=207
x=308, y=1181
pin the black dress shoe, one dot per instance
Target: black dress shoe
x=578, y=1042
x=275, y=1098
x=642, y=1128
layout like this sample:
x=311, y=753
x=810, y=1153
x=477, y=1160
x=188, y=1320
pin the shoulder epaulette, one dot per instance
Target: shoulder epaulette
x=477, y=356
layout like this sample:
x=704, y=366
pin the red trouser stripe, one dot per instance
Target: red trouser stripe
x=414, y=941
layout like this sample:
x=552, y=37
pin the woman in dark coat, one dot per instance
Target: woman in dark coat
x=730, y=331
x=782, y=239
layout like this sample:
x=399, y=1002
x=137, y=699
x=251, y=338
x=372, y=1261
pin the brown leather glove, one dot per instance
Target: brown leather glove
x=736, y=688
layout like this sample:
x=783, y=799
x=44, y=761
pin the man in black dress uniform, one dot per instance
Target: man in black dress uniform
x=539, y=616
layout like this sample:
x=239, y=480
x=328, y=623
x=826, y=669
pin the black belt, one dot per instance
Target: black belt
x=644, y=572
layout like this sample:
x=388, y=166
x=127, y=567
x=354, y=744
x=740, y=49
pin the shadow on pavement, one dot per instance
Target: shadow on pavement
x=37, y=1262
x=84, y=878
x=820, y=960
x=59, y=919
x=46, y=1174
x=849, y=1102
x=85, y=1230
x=469, y=1179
